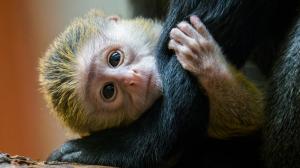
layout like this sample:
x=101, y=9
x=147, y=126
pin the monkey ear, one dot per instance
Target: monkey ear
x=114, y=18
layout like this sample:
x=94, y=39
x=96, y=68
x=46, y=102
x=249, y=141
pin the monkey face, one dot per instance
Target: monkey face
x=101, y=73
x=118, y=79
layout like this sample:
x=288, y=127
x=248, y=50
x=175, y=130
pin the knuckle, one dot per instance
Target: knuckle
x=175, y=33
x=185, y=51
x=175, y=30
x=184, y=66
x=184, y=26
x=207, y=46
x=172, y=32
x=200, y=28
x=193, y=44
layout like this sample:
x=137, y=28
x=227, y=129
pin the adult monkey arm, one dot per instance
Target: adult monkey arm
x=236, y=105
x=250, y=28
x=241, y=118
x=281, y=133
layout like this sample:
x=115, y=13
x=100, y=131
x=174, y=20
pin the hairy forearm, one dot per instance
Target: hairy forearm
x=236, y=105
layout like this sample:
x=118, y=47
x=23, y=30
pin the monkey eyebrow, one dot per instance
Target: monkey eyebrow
x=91, y=71
x=90, y=76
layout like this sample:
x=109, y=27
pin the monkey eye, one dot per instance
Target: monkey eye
x=108, y=92
x=114, y=58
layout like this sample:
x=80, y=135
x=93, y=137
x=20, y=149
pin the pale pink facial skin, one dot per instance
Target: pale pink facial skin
x=135, y=79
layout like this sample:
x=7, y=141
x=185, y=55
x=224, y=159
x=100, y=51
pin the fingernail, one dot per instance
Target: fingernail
x=195, y=18
x=179, y=24
x=171, y=33
x=182, y=23
x=172, y=30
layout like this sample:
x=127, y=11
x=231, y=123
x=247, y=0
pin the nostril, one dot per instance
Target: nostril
x=129, y=82
x=135, y=71
x=126, y=81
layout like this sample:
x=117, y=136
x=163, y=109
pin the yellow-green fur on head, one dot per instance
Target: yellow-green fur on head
x=59, y=74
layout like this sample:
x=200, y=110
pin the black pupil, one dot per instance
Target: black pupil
x=114, y=59
x=108, y=91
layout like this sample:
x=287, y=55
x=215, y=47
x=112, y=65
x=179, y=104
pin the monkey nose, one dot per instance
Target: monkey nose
x=129, y=82
x=132, y=79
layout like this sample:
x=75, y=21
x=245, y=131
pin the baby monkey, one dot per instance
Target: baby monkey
x=101, y=73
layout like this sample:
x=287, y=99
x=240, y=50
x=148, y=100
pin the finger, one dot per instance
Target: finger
x=182, y=60
x=185, y=62
x=180, y=37
x=173, y=45
x=187, y=29
x=185, y=52
x=180, y=50
x=186, y=56
x=200, y=27
x=183, y=39
x=190, y=31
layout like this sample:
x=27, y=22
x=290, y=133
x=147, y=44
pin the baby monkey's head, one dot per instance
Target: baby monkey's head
x=100, y=72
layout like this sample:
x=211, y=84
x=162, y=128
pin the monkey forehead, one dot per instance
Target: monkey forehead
x=127, y=33
x=136, y=32
x=84, y=58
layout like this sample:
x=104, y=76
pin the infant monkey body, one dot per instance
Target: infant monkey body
x=100, y=73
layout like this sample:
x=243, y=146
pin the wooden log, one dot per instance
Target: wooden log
x=8, y=161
